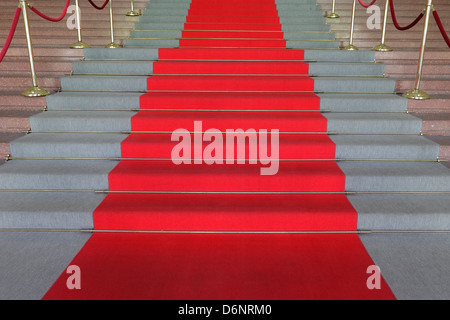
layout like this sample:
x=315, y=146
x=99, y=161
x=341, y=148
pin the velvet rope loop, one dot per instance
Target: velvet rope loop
x=394, y=18
x=441, y=27
x=97, y=7
x=49, y=18
x=11, y=34
x=365, y=5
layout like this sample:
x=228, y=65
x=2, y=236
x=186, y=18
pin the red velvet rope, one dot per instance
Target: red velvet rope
x=97, y=7
x=394, y=18
x=441, y=27
x=49, y=18
x=11, y=34
x=365, y=5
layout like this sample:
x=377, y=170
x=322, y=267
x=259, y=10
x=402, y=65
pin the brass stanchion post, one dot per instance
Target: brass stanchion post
x=352, y=47
x=79, y=44
x=35, y=91
x=112, y=45
x=133, y=13
x=333, y=14
x=382, y=46
x=416, y=93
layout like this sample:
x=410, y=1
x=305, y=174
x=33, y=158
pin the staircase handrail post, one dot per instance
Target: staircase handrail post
x=133, y=13
x=79, y=44
x=416, y=93
x=333, y=14
x=113, y=44
x=382, y=47
x=35, y=91
x=351, y=46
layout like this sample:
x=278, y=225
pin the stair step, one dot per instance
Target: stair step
x=5, y=140
x=210, y=67
x=15, y=121
x=396, y=177
x=435, y=124
x=55, y=175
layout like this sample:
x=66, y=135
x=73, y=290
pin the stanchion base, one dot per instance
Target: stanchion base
x=351, y=47
x=112, y=45
x=79, y=45
x=35, y=92
x=382, y=48
x=133, y=14
x=333, y=16
x=416, y=95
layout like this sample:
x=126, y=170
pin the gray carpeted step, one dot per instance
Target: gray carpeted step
x=305, y=35
x=160, y=26
x=380, y=176
x=362, y=102
x=177, y=34
x=402, y=212
x=82, y=121
x=339, y=55
x=57, y=210
x=186, y=5
x=68, y=145
x=346, y=69
x=303, y=20
x=183, y=12
x=385, y=147
x=306, y=27
x=114, y=67
x=152, y=43
x=139, y=84
x=104, y=83
x=94, y=100
x=181, y=18
x=312, y=44
x=354, y=85
x=146, y=68
x=174, y=43
x=152, y=54
x=55, y=175
x=31, y=262
x=131, y=101
x=387, y=123
x=122, y=54
x=163, y=18
x=170, y=34
x=165, y=11
x=414, y=265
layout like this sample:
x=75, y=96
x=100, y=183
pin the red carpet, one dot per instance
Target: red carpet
x=226, y=88
x=187, y=212
x=222, y=267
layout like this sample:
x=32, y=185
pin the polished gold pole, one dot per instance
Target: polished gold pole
x=133, y=13
x=79, y=44
x=418, y=94
x=352, y=47
x=112, y=45
x=382, y=46
x=333, y=14
x=35, y=91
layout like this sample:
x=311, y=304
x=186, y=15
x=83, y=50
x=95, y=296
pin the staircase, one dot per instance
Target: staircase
x=401, y=64
x=358, y=184
x=51, y=42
